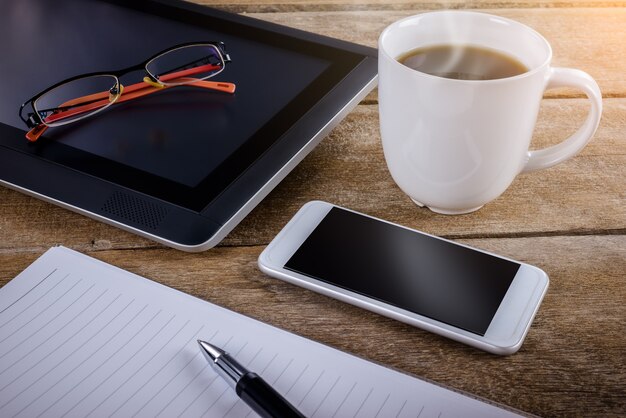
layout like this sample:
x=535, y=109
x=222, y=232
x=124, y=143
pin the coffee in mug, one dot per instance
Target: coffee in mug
x=463, y=62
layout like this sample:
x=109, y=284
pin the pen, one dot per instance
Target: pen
x=250, y=388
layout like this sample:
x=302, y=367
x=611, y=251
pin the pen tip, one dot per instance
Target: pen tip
x=210, y=351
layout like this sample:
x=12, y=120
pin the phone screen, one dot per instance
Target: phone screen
x=425, y=275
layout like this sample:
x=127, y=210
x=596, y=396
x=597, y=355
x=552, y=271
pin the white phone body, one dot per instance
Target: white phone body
x=505, y=332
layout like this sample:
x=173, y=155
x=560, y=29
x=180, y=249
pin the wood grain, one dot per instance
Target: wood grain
x=585, y=195
x=587, y=39
x=571, y=363
x=274, y=6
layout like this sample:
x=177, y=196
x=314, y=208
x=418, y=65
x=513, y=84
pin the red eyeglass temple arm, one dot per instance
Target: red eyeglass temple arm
x=134, y=91
x=181, y=75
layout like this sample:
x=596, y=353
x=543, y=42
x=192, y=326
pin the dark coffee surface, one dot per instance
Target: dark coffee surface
x=462, y=62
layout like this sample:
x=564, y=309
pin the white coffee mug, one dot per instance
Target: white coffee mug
x=454, y=145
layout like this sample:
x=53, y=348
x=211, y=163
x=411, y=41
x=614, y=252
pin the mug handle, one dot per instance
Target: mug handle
x=567, y=77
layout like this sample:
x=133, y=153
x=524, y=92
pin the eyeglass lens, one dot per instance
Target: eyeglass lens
x=77, y=99
x=186, y=64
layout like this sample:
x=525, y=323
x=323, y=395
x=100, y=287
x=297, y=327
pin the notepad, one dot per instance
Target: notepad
x=79, y=337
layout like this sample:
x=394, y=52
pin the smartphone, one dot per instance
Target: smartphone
x=453, y=290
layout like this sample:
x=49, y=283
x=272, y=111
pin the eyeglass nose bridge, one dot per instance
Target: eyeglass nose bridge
x=153, y=81
x=115, y=92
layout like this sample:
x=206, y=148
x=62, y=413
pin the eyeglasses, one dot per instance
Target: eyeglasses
x=83, y=96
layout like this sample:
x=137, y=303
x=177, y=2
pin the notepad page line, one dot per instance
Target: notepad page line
x=4, y=387
x=35, y=364
x=26, y=294
x=402, y=408
x=167, y=383
x=344, y=400
x=80, y=364
x=54, y=367
x=142, y=366
x=215, y=379
x=159, y=370
x=325, y=396
x=34, y=318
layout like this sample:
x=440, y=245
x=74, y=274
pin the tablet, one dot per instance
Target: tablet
x=185, y=165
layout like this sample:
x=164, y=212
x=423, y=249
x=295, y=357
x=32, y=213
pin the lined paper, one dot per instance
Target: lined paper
x=79, y=337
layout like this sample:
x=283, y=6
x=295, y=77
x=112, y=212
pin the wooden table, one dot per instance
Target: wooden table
x=569, y=220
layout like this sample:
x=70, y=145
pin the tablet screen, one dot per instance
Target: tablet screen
x=185, y=144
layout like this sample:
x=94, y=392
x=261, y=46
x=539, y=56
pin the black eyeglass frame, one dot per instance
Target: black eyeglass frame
x=34, y=119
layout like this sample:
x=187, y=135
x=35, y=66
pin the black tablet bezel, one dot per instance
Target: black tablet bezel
x=117, y=195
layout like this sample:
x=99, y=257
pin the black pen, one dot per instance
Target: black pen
x=253, y=390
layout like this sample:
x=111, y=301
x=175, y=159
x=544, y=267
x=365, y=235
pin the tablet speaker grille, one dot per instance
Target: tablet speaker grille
x=135, y=209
